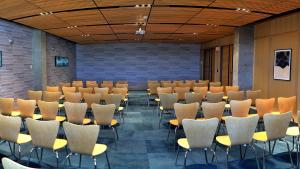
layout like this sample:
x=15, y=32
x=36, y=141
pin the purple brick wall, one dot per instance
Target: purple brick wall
x=59, y=47
x=137, y=62
x=15, y=73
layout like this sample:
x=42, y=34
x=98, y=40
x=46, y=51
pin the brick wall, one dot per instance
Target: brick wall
x=16, y=73
x=137, y=62
x=59, y=47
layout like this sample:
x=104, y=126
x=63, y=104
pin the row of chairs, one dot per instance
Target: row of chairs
x=180, y=83
x=92, y=84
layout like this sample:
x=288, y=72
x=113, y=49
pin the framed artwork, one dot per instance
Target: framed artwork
x=282, y=64
x=61, y=61
x=0, y=58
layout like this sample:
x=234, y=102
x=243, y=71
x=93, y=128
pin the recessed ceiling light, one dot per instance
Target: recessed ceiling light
x=194, y=33
x=142, y=5
x=243, y=10
x=70, y=27
x=46, y=13
x=209, y=24
x=85, y=35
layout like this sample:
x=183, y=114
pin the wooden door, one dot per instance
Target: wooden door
x=226, y=65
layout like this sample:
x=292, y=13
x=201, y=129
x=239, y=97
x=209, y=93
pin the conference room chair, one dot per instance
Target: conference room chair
x=91, y=98
x=200, y=84
x=240, y=132
x=103, y=91
x=216, y=89
x=52, y=88
x=107, y=84
x=204, y=81
x=264, y=106
x=165, y=81
x=202, y=90
x=231, y=88
x=10, y=132
x=116, y=99
x=253, y=95
x=87, y=146
x=214, y=97
x=68, y=90
x=293, y=132
x=34, y=95
x=76, y=113
x=193, y=98
x=182, y=111
x=65, y=84
x=49, y=111
x=9, y=164
x=7, y=107
x=104, y=116
x=172, y=85
x=167, y=102
x=51, y=96
x=73, y=97
x=83, y=90
x=91, y=84
x=185, y=84
x=288, y=104
x=236, y=95
x=199, y=135
x=124, y=93
x=122, y=85
x=122, y=82
x=177, y=82
x=180, y=91
x=190, y=81
x=27, y=109
x=162, y=90
x=44, y=136
x=214, y=84
x=152, y=91
x=77, y=85
x=240, y=108
x=276, y=126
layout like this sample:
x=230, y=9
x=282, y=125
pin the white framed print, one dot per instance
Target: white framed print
x=282, y=64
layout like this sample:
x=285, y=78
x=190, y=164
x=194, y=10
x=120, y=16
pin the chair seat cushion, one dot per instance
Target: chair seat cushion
x=59, y=143
x=224, y=140
x=86, y=121
x=293, y=131
x=99, y=149
x=23, y=138
x=183, y=143
x=260, y=136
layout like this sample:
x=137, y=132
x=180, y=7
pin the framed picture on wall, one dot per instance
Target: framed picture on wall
x=61, y=61
x=0, y=58
x=282, y=64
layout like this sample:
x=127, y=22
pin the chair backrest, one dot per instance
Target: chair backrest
x=202, y=90
x=190, y=81
x=103, y=91
x=6, y=105
x=153, y=87
x=240, y=108
x=166, y=84
x=288, y=104
x=9, y=164
x=51, y=96
x=65, y=84
x=276, y=125
x=200, y=84
x=177, y=82
x=52, y=88
x=48, y=109
x=236, y=95
x=114, y=99
x=214, y=97
x=164, y=90
x=107, y=82
x=241, y=129
x=121, y=91
x=185, y=111
x=77, y=84
x=76, y=133
x=43, y=133
x=231, y=88
x=73, y=97
x=26, y=107
x=75, y=112
x=264, y=106
x=216, y=89
x=103, y=113
x=122, y=85
x=91, y=98
x=168, y=100
x=211, y=110
x=34, y=95
x=200, y=134
x=181, y=92
x=253, y=95
x=107, y=85
x=82, y=90
x=193, y=97
x=186, y=84
x=9, y=128
x=214, y=84
x=91, y=84
x=68, y=89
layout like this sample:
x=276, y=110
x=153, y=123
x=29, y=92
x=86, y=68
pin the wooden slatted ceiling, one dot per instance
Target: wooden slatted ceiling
x=100, y=21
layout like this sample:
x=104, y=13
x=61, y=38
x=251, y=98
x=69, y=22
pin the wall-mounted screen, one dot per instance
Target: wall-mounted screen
x=61, y=61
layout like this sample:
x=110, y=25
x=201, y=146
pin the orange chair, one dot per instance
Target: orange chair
x=264, y=106
x=202, y=90
x=216, y=89
x=288, y=104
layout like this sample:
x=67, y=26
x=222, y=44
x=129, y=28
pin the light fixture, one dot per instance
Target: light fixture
x=85, y=35
x=194, y=33
x=143, y=6
x=209, y=24
x=70, y=27
x=46, y=13
x=243, y=10
x=140, y=31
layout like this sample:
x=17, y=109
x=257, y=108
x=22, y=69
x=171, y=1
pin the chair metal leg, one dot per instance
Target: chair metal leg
x=107, y=160
x=57, y=158
x=95, y=162
x=148, y=100
x=80, y=156
x=185, y=157
x=160, y=118
x=12, y=151
x=177, y=155
x=245, y=151
x=205, y=153
x=19, y=151
x=30, y=156
x=115, y=135
x=227, y=156
x=175, y=136
x=169, y=132
x=42, y=151
x=270, y=151
x=274, y=144
x=214, y=155
x=68, y=158
x=255, y=152
x=264, y=158
x=288, y=147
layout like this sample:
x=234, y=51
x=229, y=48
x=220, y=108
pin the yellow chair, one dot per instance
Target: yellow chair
x=276, y=126
x=180, y=91
x=44, y=135
x=73, y=97
x=231, y=88
x=27, y=109
x=236, y=95
x=76, y=113
x=199, y=135
x=102, y=91
x=152, y=90
x=264, y=106
x=52, y=88
x=240, y=132
x=214, y=97
x=182, y=111
x=10, y=132
x=214, y=84
x=116, y=99
x=34, y=95
x=193, y=98
x=167, y=104
x=49, y=111
x=86, y=146
x=104, y=117
x=85, y=90
x=7, y=107
x=51, y=96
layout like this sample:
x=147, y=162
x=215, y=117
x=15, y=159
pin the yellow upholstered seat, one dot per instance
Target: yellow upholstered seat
x=174, y=122
x=59, y=143
x=260, y=136
x=86, y=121
x=157, y=100
x=120, y=108
x=23, y=138
x=61, y=106
x=36, y=116
x=183, y=142
x=15, y=113
x=224, y=140
x=60, y=118
x=99, y=149
x=293, y=131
